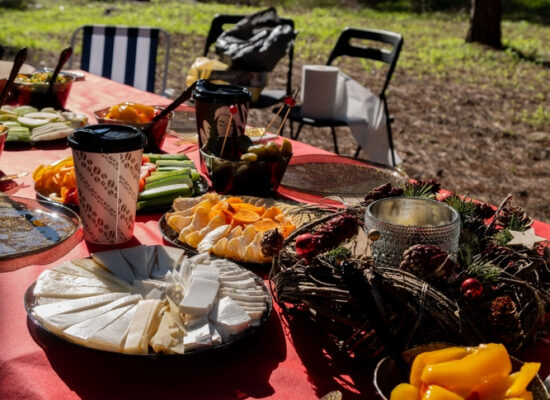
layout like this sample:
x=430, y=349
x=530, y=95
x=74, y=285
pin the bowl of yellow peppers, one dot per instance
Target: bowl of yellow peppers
x=445, y=372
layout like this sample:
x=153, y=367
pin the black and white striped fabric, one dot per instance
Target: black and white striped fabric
x=123, y=54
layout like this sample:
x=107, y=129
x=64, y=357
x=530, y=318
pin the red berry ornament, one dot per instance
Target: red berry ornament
x=472, y=289
x=289, y=101
x=233, y=109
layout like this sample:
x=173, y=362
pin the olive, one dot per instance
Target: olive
x=258, y=149
x=286, y=148
x=272, y=151
x=250, y=157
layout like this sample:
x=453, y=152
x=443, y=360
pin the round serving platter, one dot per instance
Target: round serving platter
x=30, y=301
x=35, y=232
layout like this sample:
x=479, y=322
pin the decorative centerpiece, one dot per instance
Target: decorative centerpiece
x=495, y=290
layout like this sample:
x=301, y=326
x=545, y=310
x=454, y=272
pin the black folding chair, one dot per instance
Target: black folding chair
x=344, y=47
x=268, y=97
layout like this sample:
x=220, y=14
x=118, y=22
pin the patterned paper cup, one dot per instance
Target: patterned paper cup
x=107, y=179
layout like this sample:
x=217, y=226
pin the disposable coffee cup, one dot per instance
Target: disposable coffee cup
x=212, y=102
x=107, y=161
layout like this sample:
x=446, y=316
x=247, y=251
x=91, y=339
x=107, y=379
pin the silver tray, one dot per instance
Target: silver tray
x=30, y=301
x=41, y=232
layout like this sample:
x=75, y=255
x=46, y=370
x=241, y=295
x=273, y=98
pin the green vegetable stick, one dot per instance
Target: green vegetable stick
x=169, y=181
x=155, y=176
x=181, y=189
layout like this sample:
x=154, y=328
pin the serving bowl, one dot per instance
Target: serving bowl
x=387, y=375
x=28, y=87
x=260, y=177
x=155, y=131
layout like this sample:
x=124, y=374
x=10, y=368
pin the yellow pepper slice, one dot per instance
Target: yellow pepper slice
x=435, y=392
x=404, y=391
x=522, y=378
x=434, y=357
x=471, y=370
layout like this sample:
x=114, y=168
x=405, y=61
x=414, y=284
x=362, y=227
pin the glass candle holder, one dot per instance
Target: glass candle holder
x=405, y=221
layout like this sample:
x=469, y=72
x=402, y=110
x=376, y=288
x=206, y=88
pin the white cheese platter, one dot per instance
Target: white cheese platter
x=149, y=301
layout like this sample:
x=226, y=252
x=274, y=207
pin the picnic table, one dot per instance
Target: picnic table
x=284, y=359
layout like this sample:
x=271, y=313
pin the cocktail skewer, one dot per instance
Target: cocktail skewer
x=279, y=111
x=290, y=101
x=232, y=110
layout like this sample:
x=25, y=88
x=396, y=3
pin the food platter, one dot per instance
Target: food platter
x=30, y=126
x=331, y=175
x=33, y=301
x=34, y=231
x=293, y=213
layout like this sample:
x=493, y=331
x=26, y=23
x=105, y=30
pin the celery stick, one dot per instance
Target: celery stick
x=181, y=189
x=155, y=176
x=158, y=202
x=175, y=163
x=169, y=181
x=195, y=176
x=154, y=157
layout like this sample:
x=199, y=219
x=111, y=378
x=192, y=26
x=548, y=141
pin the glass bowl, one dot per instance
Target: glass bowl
x=24, y=92
x=155, y=131
x=254, y=178
x=405, y=221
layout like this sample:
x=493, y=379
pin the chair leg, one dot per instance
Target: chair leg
x=333, y=129
x=298, y=131
x=357, y=152
x=388, y=126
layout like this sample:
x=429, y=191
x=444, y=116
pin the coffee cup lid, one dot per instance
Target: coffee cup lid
x=225, y=94
x=107, y=138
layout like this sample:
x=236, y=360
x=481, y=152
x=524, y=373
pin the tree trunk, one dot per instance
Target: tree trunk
x=485, y=18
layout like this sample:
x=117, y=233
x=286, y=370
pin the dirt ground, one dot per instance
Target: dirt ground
x=460, y=134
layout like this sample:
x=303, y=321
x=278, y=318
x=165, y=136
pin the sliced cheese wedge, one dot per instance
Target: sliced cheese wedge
x=59, y=322
x=114, y=262
x=199, y=334
x=51, y=276
x=166, y=261
x=228, y=317
x=137, y=258
x=139, y=332
x=55, y=288
x=93, y=267
x=112, y=337
x=47, y=310
x=200, y=296
x=81, y=332
x=169, y=337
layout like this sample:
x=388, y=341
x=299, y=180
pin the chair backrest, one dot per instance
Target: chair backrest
x=122, y=53
x=344, y=47
x=217, y=28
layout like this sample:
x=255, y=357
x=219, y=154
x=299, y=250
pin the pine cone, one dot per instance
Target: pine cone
x=505, y=320
x=382, y=192
x=513, y=217
x=484, y=210
x=428, y=262
x=272, y=243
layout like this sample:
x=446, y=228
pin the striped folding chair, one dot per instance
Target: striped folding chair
x=122, y=53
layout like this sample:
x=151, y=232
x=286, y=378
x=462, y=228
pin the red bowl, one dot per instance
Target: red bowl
x=24, y=92
x=155, y=132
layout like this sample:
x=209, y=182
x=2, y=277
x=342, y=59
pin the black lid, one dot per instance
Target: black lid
x=107, y=138
x=225, y=94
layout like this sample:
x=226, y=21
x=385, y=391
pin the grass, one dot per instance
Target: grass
x=434, y=42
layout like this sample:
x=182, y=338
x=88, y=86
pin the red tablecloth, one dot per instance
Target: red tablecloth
x=284, y=360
